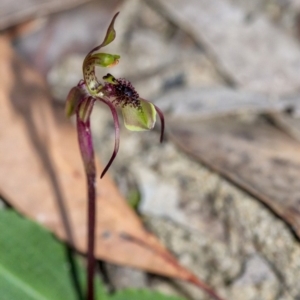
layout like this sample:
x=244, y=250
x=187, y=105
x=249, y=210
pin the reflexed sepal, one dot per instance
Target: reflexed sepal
x=140, y=118
x=85, y=109
x=74, y=98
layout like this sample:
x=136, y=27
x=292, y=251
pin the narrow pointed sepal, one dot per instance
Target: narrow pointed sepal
x=110, y=35
x=111, y=32
x=139, y=118
x=74, y=98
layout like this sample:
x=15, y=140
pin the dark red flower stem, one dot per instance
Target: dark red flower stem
x=87, y=153
x=91, y=236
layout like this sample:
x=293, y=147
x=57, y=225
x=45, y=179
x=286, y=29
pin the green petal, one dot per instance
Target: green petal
x=139, y=119
x=73, y=100
x=104, y=59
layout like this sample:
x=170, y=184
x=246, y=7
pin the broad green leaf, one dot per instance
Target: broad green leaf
x=131, y=294
x=74, y=97
x=33, y=264
x=139, y=119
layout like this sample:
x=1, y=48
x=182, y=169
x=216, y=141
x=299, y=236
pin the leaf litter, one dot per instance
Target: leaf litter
x=38, y=147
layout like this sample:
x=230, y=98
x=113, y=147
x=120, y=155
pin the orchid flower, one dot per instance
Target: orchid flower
x=139, y=115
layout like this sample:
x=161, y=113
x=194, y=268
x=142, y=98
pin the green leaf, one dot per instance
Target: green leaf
x=33, y=264
x=74, y=97
x=131, y=294
x=141, y=118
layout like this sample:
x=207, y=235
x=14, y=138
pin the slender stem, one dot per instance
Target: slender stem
x=91, y=236
x=87, y=153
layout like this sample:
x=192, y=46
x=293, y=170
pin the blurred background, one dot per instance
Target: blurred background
x=222, y=192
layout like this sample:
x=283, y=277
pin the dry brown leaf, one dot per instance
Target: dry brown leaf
x=41, y=172
x=42, y=177
x=257, y=157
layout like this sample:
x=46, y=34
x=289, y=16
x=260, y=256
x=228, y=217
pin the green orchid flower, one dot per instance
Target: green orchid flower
x=138, y=113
